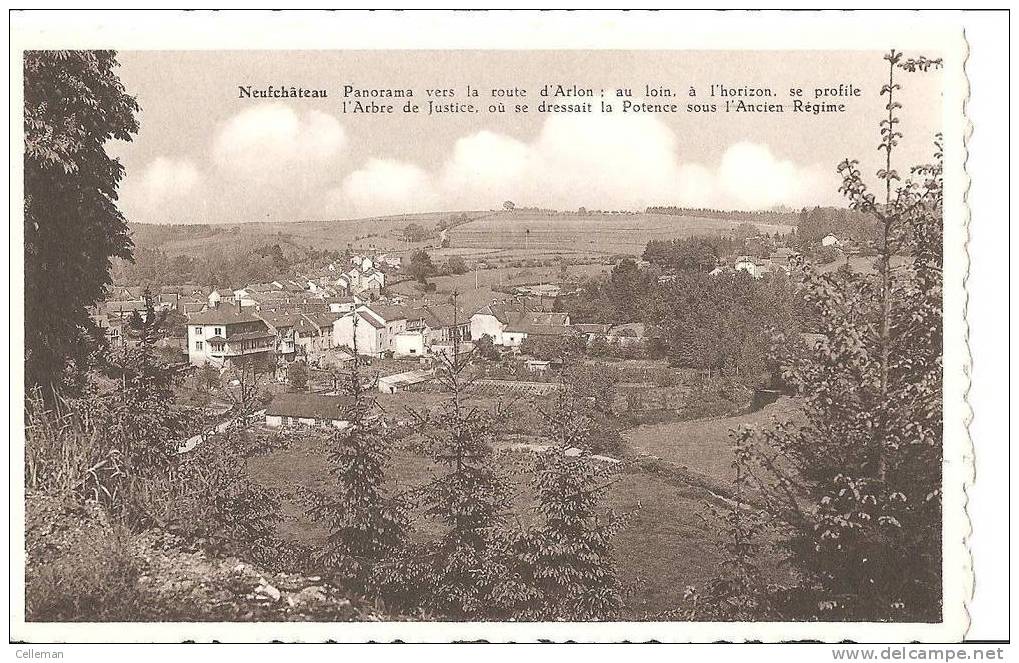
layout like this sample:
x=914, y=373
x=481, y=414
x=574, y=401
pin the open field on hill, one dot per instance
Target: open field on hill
x=479, y=285
x=584, y=234
x=492, y=235
x=702, y=445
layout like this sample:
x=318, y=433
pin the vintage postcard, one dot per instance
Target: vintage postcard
x=488, y=326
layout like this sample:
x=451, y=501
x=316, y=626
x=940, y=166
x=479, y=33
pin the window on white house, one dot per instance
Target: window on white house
x=198, y=345
x=218, y=331
x=198, y=331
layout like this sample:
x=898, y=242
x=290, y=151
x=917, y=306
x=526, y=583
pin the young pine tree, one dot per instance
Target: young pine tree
x=468, y=498
x=564, y=570
x=368, y=526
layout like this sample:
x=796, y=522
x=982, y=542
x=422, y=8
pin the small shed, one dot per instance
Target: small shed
x=321, y=410
x=391, y=384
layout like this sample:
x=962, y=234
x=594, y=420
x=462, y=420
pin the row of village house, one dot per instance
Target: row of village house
x=338, y=308
x=236, y=325
x=231, y=330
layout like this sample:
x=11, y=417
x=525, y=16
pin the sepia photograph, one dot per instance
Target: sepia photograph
x=343, y=338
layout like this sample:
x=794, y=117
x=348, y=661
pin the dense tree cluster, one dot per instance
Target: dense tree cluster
x=220, y=268
x=72, y=225
x=414, y=232
x=845, y=224
x=421, y=266
x=618, y=298
x=721, y=323
x=692, y=253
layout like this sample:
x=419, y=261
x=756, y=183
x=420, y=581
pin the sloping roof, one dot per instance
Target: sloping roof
x=310, y=406
x=226, y=315
x=191, y=308
x=407, y=378
x=267, y=296
x=502, y=312
x=279, y=320
x=134, y=290
x=126, y=306
x=389, y=312
x=538, y=330
x=321, y=319
x=550, y=319
x=437, y=316
x=370, y=320
x=539, y=323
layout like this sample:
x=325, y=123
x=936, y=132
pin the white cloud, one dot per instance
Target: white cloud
x=272, y=161
x=751, y=176
x=619, y=162
x=166, y=178
x=385, y=186
x=485, y=166
x=271, y=141
x=158, y=190
x=623, y=160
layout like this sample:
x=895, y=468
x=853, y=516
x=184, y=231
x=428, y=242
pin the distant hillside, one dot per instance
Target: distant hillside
x=545, y=233
x=374, y=233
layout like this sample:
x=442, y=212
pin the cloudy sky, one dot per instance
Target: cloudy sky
x=204, y=155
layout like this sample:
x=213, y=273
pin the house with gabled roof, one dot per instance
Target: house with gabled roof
x=752, y=266
x=313, y=332
x=371, y=327
x=510, y=324
x=282, y=325
x=492, y=319
x=221, y=295
x=538, y=323
x=434, y=328
x=226, y=333
x=372, y=279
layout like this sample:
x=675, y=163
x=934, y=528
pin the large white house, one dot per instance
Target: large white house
x=226, y=333
x=375, y=327
x=491, y=320
x=404, y=331
x=509, y=325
